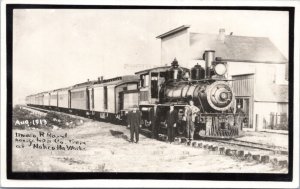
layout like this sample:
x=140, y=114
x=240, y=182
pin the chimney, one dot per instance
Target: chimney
x=88, y=80
x=221, y=36
x=101, y=78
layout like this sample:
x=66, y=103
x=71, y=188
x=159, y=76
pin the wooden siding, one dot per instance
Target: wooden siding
x=243, y=85
x=144, y=96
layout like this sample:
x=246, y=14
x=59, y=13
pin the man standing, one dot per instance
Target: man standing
x=134, y=120
x=240, y=115
x=171, y=123
x=191, y=113
x=153, y=123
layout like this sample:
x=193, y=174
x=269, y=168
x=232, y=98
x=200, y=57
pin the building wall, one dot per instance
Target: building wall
x=265, y=101
x=175, y=46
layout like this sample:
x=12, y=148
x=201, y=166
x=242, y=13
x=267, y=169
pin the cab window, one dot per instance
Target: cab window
x=144, y=80
x=154, y=85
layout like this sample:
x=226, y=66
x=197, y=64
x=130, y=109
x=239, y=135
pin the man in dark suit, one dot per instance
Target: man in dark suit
x=134, y=120
x=153, y=123
x=171, y=123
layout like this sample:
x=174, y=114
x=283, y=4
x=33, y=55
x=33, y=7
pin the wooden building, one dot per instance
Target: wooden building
x=257, y=69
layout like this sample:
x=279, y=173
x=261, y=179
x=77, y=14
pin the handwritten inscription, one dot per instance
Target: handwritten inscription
x=34, y=122
x=48, y=141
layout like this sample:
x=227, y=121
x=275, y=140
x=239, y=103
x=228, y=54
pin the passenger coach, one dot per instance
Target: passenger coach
x=107, y=99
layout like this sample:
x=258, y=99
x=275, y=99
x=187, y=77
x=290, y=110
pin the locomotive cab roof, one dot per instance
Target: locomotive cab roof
x=158, y=69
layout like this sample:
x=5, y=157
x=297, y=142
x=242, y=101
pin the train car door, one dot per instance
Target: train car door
x=69, y=98
x=91, y=99
x=87, y=99
x=121, y=100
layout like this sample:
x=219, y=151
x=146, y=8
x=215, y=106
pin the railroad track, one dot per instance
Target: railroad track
x=254, y=145
x=34, y=108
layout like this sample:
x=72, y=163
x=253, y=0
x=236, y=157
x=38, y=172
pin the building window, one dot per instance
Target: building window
x=239, y=101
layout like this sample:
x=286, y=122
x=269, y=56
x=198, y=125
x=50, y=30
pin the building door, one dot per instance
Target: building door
x=243, y=88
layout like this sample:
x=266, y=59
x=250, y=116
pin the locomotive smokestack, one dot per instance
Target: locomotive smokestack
x=209, y=57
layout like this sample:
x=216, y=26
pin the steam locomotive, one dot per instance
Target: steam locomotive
x=207, y=87
x=155, y=90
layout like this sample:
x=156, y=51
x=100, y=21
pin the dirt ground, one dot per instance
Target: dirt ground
x=104, y=147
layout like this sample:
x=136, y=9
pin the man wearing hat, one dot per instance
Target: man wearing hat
x=171, y=123
x=134, y=120
x=190, y=114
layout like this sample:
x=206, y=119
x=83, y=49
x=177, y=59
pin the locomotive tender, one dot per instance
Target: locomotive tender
x=157, y=89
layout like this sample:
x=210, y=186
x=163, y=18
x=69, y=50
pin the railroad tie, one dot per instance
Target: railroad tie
x=274, y=161
x=283, y=163
x=177, y=141
x=256, y=157
x=233, y=152
x=248, y=156
x=194, y=143
x=200, y=144
x=221, y=149
x=215, y=148
x=228, y=152
x=283, y=152
x=184, y=140
x=240, y=153
x=265, y=159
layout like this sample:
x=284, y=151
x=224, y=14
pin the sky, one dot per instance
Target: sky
x=59, y=48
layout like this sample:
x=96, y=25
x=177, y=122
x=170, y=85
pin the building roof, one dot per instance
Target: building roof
x=236, y=48
x=171, y=32
x=277, y=93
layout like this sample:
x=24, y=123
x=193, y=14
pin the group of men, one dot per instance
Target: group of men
x=190, y=114
x=134, y=121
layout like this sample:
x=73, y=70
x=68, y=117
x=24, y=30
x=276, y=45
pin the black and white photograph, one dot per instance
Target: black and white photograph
x=190, y=93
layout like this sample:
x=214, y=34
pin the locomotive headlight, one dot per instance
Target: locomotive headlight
x=220, y=69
